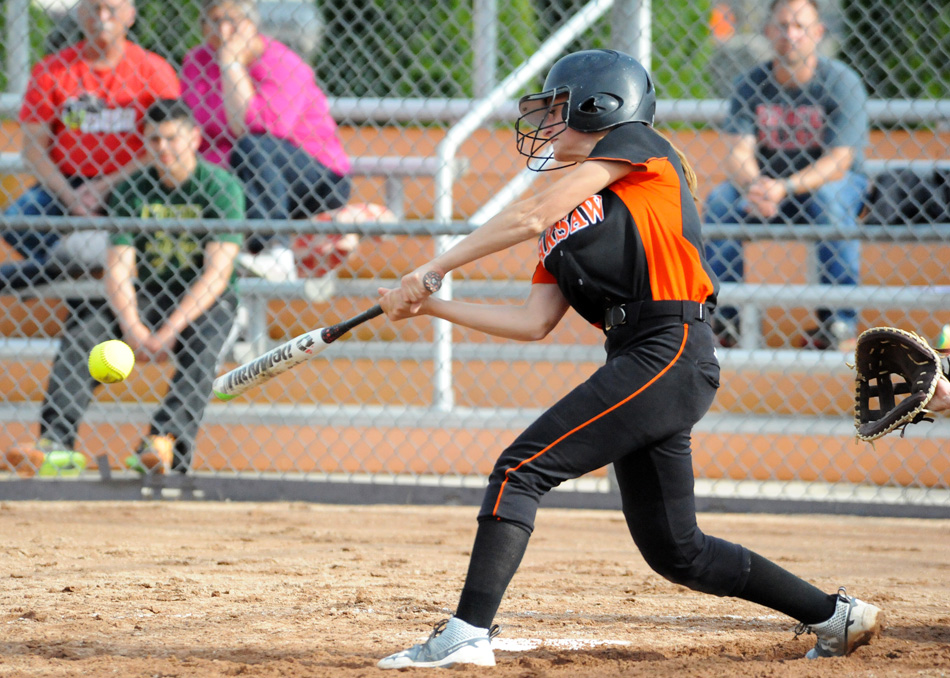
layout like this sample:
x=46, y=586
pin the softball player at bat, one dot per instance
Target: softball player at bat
x=629, y=258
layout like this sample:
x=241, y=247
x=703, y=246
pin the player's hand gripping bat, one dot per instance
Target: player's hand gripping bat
x=297, y=350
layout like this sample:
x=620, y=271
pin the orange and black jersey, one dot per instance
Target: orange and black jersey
x=637, y=240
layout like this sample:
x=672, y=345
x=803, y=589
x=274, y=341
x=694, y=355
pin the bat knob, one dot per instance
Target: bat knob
x=432, y=281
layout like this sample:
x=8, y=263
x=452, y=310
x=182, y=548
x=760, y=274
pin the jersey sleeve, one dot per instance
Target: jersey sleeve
x=164, y=83
x=848, y=121
x=38, y=105
x=740, y=120
x=227, y=202
x=625, y=143
x=542, y=276
x=281, y=80
x=120, y=206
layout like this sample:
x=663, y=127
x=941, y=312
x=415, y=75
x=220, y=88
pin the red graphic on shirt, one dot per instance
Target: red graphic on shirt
x=781, y=127
x=588, y=213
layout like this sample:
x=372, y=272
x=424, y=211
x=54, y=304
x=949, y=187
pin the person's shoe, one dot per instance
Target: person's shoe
x=839, y=336
x=24, y=459
x=317, y=255
x=814, y=339
x=275, y=263
x=63, y=463
x=726, y=331
x=452, y=641
x=844, y=336
x=853, y=624
x=155, y=455
x=46, y=458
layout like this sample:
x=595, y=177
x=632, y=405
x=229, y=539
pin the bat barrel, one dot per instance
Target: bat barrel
x=287, y=355
x=274, y=362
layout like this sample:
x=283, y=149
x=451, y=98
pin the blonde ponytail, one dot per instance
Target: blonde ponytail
x=691, y=181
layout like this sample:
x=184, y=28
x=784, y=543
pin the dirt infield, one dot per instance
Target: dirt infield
x=214, y=589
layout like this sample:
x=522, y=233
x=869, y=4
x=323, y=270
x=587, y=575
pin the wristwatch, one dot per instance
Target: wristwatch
x=789, y=187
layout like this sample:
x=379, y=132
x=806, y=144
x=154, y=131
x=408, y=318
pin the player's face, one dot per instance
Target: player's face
x=546, y=116
x=106, y=21
x=572, y=146
x=541, y=120
x=546, y=122
x=174, y=147
x=795, y=31
x=568, y=144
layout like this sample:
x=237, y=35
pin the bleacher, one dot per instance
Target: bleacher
x=776, y=371
x=394, y=171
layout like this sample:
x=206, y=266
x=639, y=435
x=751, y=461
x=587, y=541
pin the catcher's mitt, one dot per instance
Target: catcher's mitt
x=891, y=362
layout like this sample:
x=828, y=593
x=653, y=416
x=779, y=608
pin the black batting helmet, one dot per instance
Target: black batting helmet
x=603, y=89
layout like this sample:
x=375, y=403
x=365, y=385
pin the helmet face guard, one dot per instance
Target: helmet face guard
x=598, y=90
x=540, y=114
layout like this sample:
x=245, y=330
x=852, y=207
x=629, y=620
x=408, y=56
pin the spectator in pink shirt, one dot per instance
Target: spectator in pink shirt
x=263, y=115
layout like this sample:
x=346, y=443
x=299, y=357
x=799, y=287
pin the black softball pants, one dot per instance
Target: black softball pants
x=636, y=412
x=195, y=356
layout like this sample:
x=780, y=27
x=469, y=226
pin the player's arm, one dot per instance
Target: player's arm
x=204, y=291
x=237, y=92
x=228, y=202
x=120, y=292
x=36, y=143
x=529, y=321
x=237, y=89
x=742, y=168
x=832, y=166
x=520, y=221
x=845, y=130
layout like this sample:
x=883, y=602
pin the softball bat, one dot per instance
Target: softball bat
x=298, y=350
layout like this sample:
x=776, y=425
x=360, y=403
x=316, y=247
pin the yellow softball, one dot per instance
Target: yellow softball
x=111, y=361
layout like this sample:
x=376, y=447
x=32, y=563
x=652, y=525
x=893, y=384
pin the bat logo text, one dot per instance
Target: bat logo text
x=250, y=371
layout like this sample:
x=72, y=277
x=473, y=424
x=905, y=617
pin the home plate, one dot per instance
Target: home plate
x=524, y=644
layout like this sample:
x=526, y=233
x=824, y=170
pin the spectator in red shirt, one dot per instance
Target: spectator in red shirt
x=82, y=133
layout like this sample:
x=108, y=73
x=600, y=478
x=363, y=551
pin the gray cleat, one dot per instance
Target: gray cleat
x=853, y=624
x=452, y=641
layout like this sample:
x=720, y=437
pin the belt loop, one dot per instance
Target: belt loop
x=633, y=312
x=694, y=310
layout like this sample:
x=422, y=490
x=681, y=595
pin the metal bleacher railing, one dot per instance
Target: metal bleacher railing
x=443, y=352
x=752, y=299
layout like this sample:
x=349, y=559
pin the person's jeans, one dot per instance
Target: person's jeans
x=282, y=181
x=35, y=202
x=839, y=262
x=195, y=357
x=43, y=259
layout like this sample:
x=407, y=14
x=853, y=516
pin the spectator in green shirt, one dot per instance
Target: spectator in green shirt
x=170, y=294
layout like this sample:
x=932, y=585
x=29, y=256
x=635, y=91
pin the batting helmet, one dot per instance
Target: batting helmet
x=603, y=89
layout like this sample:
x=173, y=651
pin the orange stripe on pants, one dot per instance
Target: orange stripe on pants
x=593, y=419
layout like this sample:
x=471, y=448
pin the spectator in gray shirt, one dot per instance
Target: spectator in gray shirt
x=796, y=132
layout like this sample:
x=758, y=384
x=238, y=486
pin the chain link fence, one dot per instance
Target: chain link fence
x=382, y=130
